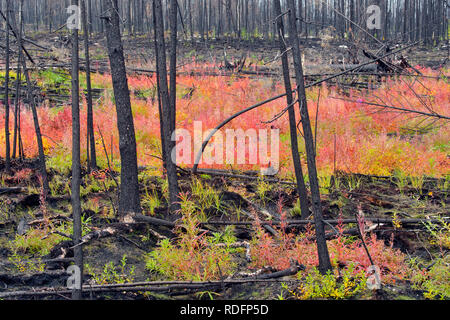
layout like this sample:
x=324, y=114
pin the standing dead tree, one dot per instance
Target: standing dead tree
x=32, y=99
x=166, y=97
x=173, y=65
x=301, y=188
x=322, y=249
x=17, y=138
x=6, y=100
x=90, y=143
x=404, y=20
x=129, y=201
x=76, y=162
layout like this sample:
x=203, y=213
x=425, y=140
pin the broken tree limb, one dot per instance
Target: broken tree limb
x=266, y=226
x=154, y=221
x=431, y=115
x=15, y=35
x=63, y=248
x=30, y=42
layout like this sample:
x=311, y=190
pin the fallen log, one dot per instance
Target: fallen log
x=159, y=286
x=332, y=221
x=10, y=190
x=44, y=221
x=64, y=249
x=238, y=176
x=343, y=67
x=153, y=221
x=32, y=279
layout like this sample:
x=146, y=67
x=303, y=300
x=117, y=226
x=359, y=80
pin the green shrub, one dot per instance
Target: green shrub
x=435, y=281
x=329, y=286
x=112, y=274
x=195, y=257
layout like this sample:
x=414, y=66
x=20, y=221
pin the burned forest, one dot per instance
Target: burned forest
x=224, y=150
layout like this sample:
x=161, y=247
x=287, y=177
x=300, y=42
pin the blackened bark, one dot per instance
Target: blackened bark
x=173, y=76
x=129, y=21
x=301, y=188
x=76, y=162
x=31, y=98
x=17, y=139
x=163, y=91
x=219, y=20
x=129, y=201
x=6, y=100
x=173, y=64
x=91, y=154
x=158, y=86
x=16, y=135
x=322, y=249
x=191, y=26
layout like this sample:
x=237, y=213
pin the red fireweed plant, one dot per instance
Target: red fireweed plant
x=278, y=251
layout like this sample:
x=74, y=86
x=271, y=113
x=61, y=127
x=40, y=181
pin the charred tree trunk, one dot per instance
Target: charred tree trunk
x=76, y=162
x=90, y=146
x=16, y=136
x=6, y=100
x=167, y=108
x=129, y=21
x=301, y=188
x=322, y=249
x=129, y=201
x=42, y=166
x=158, y=86
x=219, y=20
x=173, y=65
x=17, y=139
x=191, y=26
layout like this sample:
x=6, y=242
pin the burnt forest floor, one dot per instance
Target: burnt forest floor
x=122, y=256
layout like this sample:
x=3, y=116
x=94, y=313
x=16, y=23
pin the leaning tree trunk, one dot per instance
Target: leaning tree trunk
x=322, y=249
x=31, y=98
x=167, y=108
x=76, y=160
x=129, y=201
x=301, y=188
